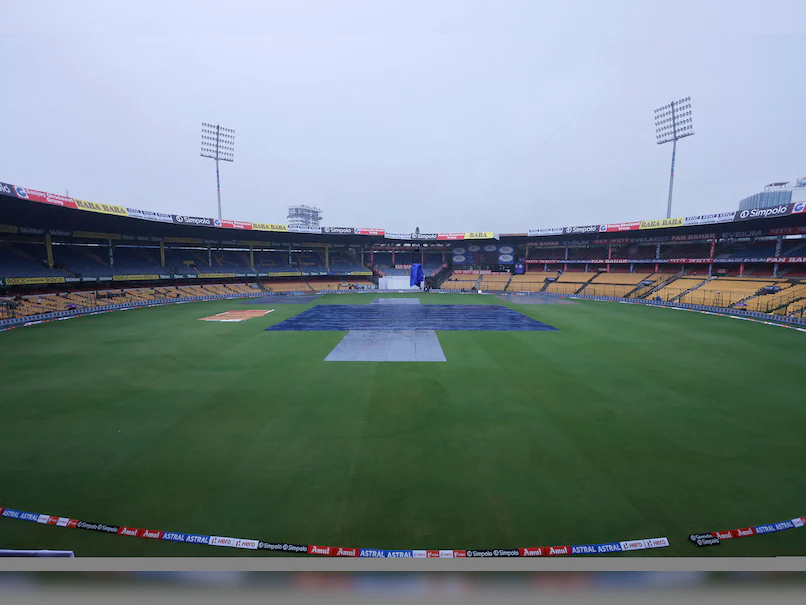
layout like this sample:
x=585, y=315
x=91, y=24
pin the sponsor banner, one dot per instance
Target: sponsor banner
x=148, y=215
x=33, y=281
x=741, y=234
x=8, y=229
x=787, y=231
x=610, y=547
x=100, y=208
x=612, y=242
x=709, y=219
x=558, y=551
x=215, y=275
x=692, y=261
x=703, y=540
x=785, y=259
x=300, y=229
x=772, y=212
x=663, y=223
x=109, y=529
x=96, y=235
x=583, y=549
x=44, y=198
x=391, y=235
x=364, y=231
x=532, y=552
x=7, y=189
x=657, y=542
x=31, y=231
x=583, y=230
x=424, y=236
x=617, y=227
x=273, y=227
x=450, y=236
x=182, y=240
x=183, y=219
x=280, y=546
x=688, y=238
x=325, y=551
x=545, y=232
x=134, y=277
x=338, y=230
x=479, y=235
x=332, y=551
x=283, y=274
x=228, y=224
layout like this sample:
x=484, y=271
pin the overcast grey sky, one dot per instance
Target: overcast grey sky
x=444, y=114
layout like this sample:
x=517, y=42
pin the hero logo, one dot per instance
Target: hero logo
x=342, y=230
x=657, y=542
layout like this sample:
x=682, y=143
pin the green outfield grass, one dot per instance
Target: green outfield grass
x=630, y=422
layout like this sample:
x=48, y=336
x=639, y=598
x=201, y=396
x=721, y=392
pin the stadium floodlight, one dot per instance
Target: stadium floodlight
x=673, y=122
x=217, y=143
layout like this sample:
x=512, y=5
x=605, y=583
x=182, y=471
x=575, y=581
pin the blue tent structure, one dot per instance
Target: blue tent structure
x=416, y=278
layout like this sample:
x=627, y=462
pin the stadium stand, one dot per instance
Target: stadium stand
x=83, y=260
x=494, y=283
x=533, y=281
x=26, y=260
x=461, y=282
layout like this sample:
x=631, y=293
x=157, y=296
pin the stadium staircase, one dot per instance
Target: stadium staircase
x=545, y=285
x=509, y=281
x=439, y=278
x=661, y=285
x=477, y=287
x=585, y=285
x=695, y=287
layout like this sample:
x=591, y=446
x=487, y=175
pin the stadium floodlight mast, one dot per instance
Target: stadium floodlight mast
x=673, y=122
x=217, y=143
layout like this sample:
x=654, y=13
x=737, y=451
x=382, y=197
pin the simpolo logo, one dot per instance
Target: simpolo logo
x=342, y=230
x=4, y=188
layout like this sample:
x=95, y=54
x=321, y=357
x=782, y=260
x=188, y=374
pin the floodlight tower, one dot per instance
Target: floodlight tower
x=673, y=122
x=217, y=143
